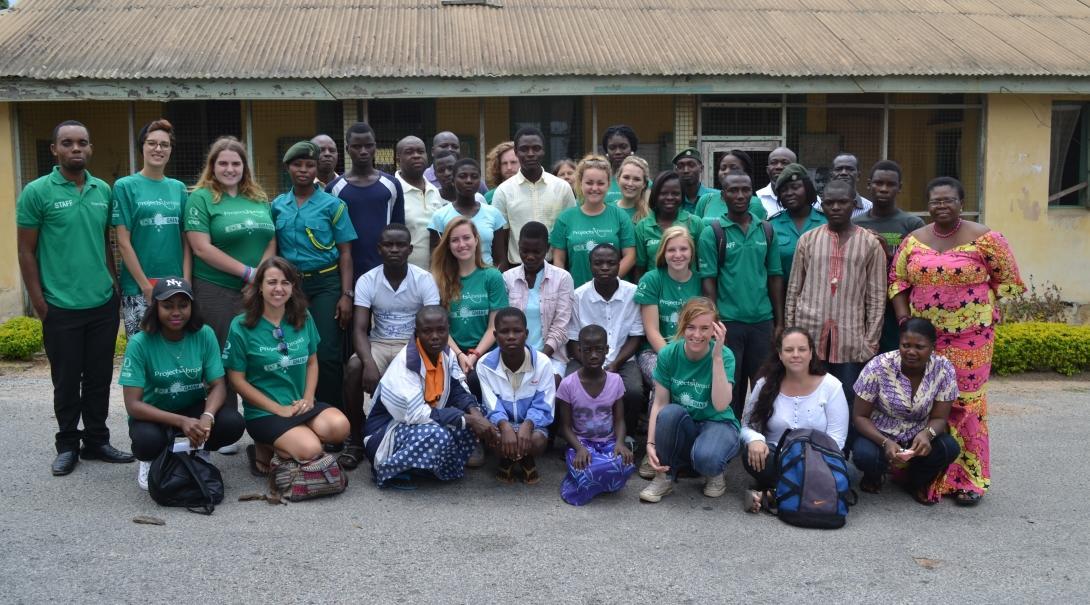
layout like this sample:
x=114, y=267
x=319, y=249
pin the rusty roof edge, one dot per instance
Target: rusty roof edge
x=21, y=89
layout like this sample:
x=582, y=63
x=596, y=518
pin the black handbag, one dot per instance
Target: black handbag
x=185, y=480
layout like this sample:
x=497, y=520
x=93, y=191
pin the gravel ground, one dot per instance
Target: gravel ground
x=72, y=538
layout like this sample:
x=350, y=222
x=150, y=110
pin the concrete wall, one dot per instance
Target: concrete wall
x=1050, y=244
x=11, y=285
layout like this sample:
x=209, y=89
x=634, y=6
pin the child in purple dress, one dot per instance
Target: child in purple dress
x=591, y=412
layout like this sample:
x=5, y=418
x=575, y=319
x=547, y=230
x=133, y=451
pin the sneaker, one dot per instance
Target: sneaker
x=645, y=468
x=229, y=450
x=476, y=459
x=660, y=486
x=715, y=485
x=142, y=475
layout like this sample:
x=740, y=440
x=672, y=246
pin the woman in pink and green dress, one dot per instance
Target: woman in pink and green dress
x=952, y=272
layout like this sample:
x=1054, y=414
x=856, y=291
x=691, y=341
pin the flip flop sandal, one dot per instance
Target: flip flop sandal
x=255, y=468
x=506, y=471
x=530, y=475
x=351, y=457
x=967, y=498
x=920, y=496
x=756, y=499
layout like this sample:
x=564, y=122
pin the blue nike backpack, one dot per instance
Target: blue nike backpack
x=813, y=489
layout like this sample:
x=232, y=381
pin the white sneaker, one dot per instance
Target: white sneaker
x=660, y=486
x=142, y=475
x=716, y=485
x=229, y=450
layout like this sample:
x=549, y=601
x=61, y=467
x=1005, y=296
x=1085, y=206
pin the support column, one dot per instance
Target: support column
x=349, y=113
x=11, y=283
x=684, y=123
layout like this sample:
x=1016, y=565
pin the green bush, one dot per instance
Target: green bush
x=20, y=338
x=1039, y=346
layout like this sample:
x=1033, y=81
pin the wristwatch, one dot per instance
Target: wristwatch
x=932, y=432
x=349, y=294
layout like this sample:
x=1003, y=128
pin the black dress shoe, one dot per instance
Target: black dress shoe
x=65, y=462
x=105, y=453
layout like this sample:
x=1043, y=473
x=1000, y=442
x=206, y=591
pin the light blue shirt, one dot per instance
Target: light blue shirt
x=487, y=220
x=536, y=339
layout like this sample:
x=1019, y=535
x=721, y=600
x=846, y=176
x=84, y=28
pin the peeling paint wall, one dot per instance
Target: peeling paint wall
x=11, y=284
x=1050, y=244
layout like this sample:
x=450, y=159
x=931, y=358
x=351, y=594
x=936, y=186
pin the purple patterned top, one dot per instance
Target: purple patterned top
x=591, y=417
x=896, y=413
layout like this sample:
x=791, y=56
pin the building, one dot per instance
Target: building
x=994, y=93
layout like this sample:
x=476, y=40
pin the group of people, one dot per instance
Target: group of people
x=426, y=319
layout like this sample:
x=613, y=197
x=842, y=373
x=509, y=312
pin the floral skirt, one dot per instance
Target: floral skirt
x=605, y=473
x=433, y=448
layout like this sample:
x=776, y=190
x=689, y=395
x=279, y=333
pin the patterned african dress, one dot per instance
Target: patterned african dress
x=957, y=291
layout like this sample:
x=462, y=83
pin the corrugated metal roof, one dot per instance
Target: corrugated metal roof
x=244, y=39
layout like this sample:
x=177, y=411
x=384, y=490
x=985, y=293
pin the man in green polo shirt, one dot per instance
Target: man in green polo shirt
x=745, y=280
x=689, y=166
x=63, y=221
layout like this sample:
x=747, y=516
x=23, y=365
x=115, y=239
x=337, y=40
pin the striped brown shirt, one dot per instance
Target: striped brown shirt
x=837, y=293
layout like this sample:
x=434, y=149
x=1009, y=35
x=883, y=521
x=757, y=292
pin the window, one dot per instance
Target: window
x=560, y=119
x=1068, y=160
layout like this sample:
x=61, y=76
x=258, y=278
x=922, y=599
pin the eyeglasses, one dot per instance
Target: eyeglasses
x=943, y=201
x=282, y=347
x=164, y=145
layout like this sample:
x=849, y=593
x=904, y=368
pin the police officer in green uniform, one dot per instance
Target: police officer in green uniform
x=314, y=233
x=63, y=223
x=689, y=165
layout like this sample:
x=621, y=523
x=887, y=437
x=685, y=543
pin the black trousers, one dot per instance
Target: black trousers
x=80, y=346
x=751, y=345
x=150, y=438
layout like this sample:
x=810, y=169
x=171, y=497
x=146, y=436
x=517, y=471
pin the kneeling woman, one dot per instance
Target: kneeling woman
x=691, y=422
x=271, y=361
x=173, y=379
x=424, y=419
x=795, y=393
x=902, y=401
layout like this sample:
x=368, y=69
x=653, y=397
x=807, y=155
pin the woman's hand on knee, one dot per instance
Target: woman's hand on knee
x=757, y=452
x=653, y=458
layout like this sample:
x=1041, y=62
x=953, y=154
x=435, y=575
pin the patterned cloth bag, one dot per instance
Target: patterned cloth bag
x=296, y=481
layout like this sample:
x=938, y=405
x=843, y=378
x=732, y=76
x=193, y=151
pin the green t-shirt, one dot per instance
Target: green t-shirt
x=488, y=195
x=578, y=234
x=240, y=227
x=689, y=205
x=613, y=194
x=483, y=291
x=649, y=235
x=658, y=288
x=690, y=382
x=255, y=352
x=151, y=211
x=788, y=234
x=173, y=374
x=712, y=205
x=742, y=279
x=71, y=227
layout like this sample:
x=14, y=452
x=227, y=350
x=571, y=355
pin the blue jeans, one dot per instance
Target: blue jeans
x=870, y=459
x=705, y=446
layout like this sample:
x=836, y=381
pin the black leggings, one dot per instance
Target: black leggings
x=150, y=438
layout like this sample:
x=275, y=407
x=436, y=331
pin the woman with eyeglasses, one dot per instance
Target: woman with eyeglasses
x=148, y=215
x=271, y=361
x=952, y=272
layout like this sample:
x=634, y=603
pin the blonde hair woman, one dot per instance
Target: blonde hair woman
x=229, y=227
x=634, y=181
x=579, y=229
x=661, y=294
x=691, y=423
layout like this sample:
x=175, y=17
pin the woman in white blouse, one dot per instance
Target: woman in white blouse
x=795, y=392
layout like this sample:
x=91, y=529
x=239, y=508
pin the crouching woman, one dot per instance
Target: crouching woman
x=272, y=363
x=172, y=379
x=424, y=420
